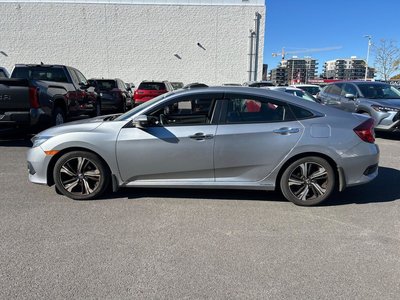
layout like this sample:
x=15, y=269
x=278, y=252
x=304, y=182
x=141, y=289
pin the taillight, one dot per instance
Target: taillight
x=34, y=97
x=366, y=131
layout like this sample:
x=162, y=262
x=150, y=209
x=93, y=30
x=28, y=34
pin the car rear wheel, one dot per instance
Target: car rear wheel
x=58, y=116
x=81, y=175
x=308, y=181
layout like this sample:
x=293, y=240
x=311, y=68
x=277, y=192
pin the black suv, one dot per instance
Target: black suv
x=114, y=94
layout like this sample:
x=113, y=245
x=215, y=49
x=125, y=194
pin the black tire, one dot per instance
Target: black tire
x=124, y=105
x=58, y=116
x=97, y=110
x=81, y=175
x=308, y=181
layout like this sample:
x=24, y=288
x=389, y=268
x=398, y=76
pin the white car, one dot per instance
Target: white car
x=293, y=91
x=310, y=88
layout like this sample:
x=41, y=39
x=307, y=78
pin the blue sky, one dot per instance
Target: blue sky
x=323, y=23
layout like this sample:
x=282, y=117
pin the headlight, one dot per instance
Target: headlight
x=38, y=140
x=385, y=108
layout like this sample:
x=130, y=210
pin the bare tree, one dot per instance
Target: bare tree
x=387, y=58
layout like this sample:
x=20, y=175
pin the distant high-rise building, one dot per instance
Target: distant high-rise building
x=265, y=72
x=278, y=76
x=347, y=69
x=294, y=70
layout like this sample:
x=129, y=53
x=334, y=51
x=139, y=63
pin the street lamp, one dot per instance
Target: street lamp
x=3, y=53
x=369, y=37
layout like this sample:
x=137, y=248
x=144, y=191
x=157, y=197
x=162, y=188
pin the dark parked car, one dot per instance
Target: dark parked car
x=258, y=84
x=45, y=95
x=177, y=85
x=4, y=73
x=195, y=85
x=147, y=90
x=379, y=100
x=114, y=94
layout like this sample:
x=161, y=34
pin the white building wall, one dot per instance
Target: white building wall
x=133, y=42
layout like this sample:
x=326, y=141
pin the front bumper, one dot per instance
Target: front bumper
x=38, y=163
x=387, y=121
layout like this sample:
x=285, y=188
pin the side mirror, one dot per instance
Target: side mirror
x=141, y=121
x=83, y=85
x=350, y=96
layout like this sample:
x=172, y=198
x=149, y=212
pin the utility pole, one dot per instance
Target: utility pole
x=366, y=63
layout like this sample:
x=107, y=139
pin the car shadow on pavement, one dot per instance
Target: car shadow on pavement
x=22, y=140
x=204, y=194
x=384, y=188
x=395, y=136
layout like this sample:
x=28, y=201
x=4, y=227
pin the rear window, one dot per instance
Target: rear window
x=152, y=86
x=106, y=84
x=40, y=73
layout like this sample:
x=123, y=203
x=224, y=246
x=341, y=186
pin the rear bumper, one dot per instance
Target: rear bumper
x=12, y=119
x=363, y=168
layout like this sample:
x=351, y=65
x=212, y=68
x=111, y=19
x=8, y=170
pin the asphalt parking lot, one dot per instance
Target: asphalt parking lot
x=173, y=244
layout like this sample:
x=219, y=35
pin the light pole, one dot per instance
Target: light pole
x=3, y=53
x=366, y=64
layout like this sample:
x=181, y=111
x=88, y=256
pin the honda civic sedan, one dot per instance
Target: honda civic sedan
x=215, y=137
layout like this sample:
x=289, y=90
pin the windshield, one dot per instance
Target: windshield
x=379, y=91
x=301, y=94
x=310, y=89
x=137, y=109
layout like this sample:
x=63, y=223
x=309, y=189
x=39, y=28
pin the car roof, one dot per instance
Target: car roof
x=43, y=65
x=154, y=81
x=304, y=85
x=357, y=82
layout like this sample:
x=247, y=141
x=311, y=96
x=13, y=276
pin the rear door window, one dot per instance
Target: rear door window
x=243, y=109
x=3, y=74
x=158, y=86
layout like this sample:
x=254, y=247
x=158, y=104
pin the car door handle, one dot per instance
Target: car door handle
x=286, y=130
x=201, y=136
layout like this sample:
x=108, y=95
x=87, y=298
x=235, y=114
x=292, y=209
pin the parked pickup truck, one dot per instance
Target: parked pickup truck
x=45, y=95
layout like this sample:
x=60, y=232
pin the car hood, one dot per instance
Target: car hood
x=387, y=102
x=84, y=125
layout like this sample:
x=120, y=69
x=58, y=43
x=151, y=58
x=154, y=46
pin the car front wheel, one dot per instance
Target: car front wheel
x=308, y=181
x=81, y=175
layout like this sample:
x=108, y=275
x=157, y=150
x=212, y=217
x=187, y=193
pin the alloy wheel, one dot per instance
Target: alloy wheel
x=308, y=181
x=80, y=176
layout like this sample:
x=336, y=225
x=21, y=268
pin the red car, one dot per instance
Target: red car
x=148, y=90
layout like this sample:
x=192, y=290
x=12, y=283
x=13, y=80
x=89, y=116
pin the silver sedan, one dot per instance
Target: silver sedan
x=216, y=137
